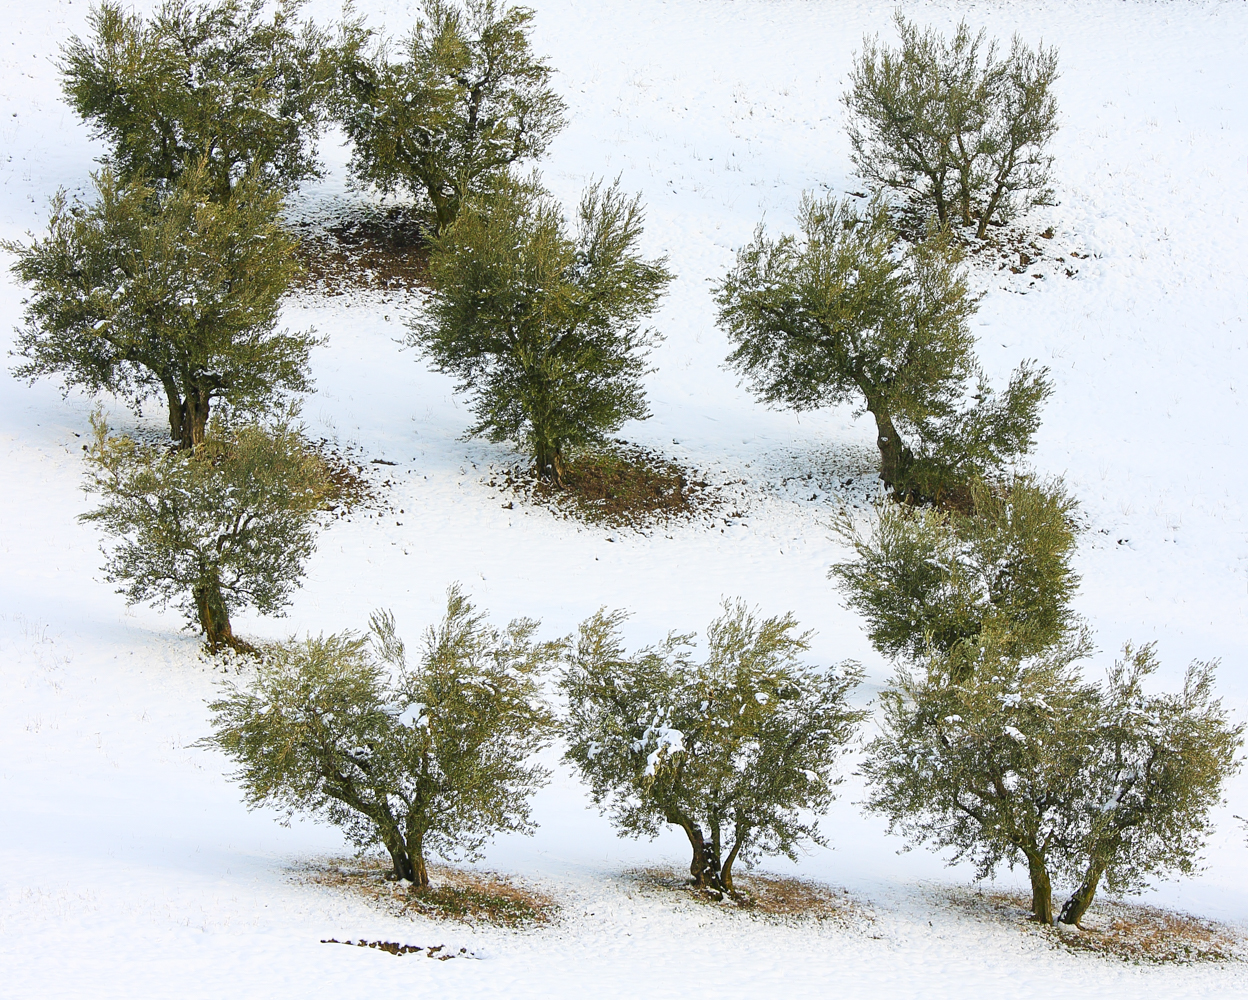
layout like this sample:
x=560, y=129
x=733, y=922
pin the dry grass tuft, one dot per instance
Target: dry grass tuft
x=1131, y=932
x=623, y=486
x=761, y=895
x=469, y=897
x=1138, y=933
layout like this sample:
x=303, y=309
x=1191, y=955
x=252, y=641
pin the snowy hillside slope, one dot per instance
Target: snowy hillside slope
x=128, y=865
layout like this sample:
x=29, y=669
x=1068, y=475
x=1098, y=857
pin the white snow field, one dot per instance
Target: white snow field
x=129, y=866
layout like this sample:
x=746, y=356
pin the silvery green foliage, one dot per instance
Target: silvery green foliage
x=465, y=99
x=163, y=292
x=845, y=312
x=960, y=129
x=1157, y=770
x=203, y=83
x=737, y=750
x=986, y=762
x=421, y=759
x=226, y=525
x=938, y=580
x=543, y=327
x=1008, y=760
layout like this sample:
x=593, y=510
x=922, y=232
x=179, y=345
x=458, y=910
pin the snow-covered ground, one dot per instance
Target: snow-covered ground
x=128, y=865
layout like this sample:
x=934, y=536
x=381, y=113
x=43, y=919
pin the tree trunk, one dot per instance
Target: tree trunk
x=705, y=866
x=1041, y=891
x=998, y=193
x=549, y=463
x=188, y=418
x=942, y=204
x=1078, y=903
x=198, y=402
x=403, y=867
x=895, y=457
x=416, y=850
x=214, y=618
x=989, y=211
x=725, y=873
x=177, y=414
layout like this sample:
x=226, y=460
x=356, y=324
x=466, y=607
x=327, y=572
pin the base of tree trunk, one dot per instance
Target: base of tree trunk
x=214, y=619
x=1041, y=894
x=1079, y=902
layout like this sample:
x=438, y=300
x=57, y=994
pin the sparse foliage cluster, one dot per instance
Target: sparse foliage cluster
x=737, y=750
x=843, y=313
x=948, y=121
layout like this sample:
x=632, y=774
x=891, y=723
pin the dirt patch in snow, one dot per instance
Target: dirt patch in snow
x=438, y=951
x=1131, y=932
x=355, y=246
x=470, y=897
x=761, y=894
x=621, y=486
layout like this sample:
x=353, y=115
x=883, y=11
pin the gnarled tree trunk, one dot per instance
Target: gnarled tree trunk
x=704, y=867
x=895, y=457
x=214, y=617
x=1041, y=890
x=188, y=417
x=1082, y=898
x=549, y=461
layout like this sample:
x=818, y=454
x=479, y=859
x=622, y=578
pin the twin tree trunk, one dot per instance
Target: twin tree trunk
x=706, y=868
x=407, y=857
x=188, y=417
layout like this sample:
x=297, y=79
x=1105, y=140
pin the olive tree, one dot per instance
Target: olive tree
x=226, y=525
x=960, y=129
x=940, y=580
x=215, y=83
x=1022, y=761
x=987, y=762
x=420, y=759
x=541, y=326
x=1157, y=768
x=148, y=291
x=465, y=99
x=737, y=750
x=844, y=313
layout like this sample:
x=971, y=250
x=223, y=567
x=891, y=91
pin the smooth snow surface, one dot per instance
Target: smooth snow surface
x=129, y=866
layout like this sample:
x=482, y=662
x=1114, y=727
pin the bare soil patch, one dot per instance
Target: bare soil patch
x=623, y=486
x=762, y=895
x=1130, y=932
x=1031, y=255
x=438, y=951
x=349, y=482
x=363, y=247
x=470, y=897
